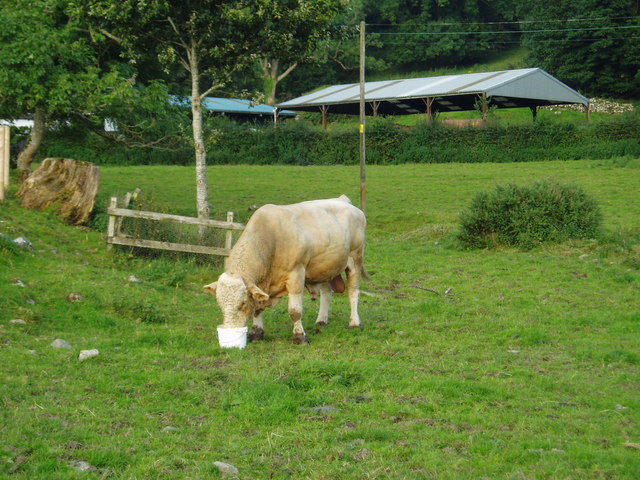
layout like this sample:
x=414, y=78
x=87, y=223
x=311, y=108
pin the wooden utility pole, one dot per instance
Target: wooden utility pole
x=363, y=156
x=5, y=148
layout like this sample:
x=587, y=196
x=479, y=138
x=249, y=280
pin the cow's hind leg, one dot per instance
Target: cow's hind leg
x=325, y=300
x=354, y=271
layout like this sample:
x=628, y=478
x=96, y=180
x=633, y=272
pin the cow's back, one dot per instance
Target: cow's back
x=317, y=234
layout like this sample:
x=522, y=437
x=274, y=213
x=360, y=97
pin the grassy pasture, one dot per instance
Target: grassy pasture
x=527, y=369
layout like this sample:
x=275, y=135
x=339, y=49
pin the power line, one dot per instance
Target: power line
x=513, y=22
x=518, y=42
x=548, y=30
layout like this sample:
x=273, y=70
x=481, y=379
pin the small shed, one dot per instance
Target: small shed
x=242, y=109
x=528, y=87
x=237, y=108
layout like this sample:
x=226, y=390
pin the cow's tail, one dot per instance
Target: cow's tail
x=364, y=273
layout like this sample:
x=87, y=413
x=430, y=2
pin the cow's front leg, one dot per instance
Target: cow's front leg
x=295, y=311
x=325, y=300
x=257, y=331
x=295, y=290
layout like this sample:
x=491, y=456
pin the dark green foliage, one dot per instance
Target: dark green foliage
x=303, y=143
x=528, y=215
x=600, y=54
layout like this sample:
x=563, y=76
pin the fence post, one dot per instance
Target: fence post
x=5, y=148
x=228, y=240
x=111, y=227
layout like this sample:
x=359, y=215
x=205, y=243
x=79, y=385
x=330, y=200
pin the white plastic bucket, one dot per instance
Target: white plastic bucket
x=232, y=337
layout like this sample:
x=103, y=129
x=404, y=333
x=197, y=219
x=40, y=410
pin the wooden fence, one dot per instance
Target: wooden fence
x=5, y=149
x=115, y=236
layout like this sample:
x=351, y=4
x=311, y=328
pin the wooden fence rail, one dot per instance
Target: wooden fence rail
x=116, y=237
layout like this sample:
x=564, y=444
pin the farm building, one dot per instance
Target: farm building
x=529, y=87
x=239, y=109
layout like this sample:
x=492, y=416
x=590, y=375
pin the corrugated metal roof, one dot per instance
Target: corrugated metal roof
x=238, y=105
x=234, y=106
x=507, y=89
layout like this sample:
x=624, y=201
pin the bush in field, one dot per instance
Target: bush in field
x=526, y=216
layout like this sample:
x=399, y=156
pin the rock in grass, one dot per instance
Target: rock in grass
x=74, y=297
x=17, y=321
x=83, y=466
x=226, y=468
x=25, y=243
x=59, y=343
x=85, y=354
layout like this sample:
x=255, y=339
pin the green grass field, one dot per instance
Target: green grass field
x=527, y=369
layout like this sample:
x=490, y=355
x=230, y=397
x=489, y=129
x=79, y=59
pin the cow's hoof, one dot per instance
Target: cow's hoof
x=300, y=339
x=256, y=334
x=322, y=323
x=354, y=325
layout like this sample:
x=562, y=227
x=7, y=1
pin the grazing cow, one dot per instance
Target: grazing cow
x=285, y=248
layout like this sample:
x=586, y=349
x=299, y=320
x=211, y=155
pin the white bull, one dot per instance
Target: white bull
x=285, y=248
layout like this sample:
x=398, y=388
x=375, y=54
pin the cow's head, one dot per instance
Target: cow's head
x=238, y=301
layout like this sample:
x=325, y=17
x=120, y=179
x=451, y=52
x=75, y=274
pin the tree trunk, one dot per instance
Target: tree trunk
x=69, y=185
x=270, y=78
x=202, y=188
x=25, y=158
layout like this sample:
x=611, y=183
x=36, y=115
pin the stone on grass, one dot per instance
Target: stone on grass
x=74, y=297
x=226, y=468
x=25, y=243
x=85, y=354
x=18, y=283
x=83, y=466
x=133, y=279
x=18, y=321
x=59, y=343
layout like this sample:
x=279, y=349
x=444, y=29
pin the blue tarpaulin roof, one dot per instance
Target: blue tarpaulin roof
x=236, y=106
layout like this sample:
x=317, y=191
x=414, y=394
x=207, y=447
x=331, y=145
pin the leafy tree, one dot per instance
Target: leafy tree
x=593, y=45
x=41, y=61
x=290, y=37
x=209, y=39
x=50, y=69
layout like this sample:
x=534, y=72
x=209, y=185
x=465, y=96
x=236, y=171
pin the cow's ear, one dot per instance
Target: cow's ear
x=257, y=294
x=211, y=288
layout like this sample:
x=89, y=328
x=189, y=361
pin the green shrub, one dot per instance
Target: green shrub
x=526, y=216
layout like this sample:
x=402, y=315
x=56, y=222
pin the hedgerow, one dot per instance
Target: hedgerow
x=302, y=143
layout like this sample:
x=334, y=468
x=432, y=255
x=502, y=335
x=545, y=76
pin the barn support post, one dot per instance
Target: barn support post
x=485, y=107
x=325, y=116
x=5, y=148
x=534, y=112
x=429, y=103
x=588, y=110
x=374, y=108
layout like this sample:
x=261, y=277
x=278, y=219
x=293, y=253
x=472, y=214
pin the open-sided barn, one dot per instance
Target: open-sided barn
x=529, y=87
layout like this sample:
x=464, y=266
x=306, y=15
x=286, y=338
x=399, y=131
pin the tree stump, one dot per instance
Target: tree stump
x=69, y=185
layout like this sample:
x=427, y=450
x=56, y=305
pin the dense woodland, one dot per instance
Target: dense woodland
x=69, y=64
